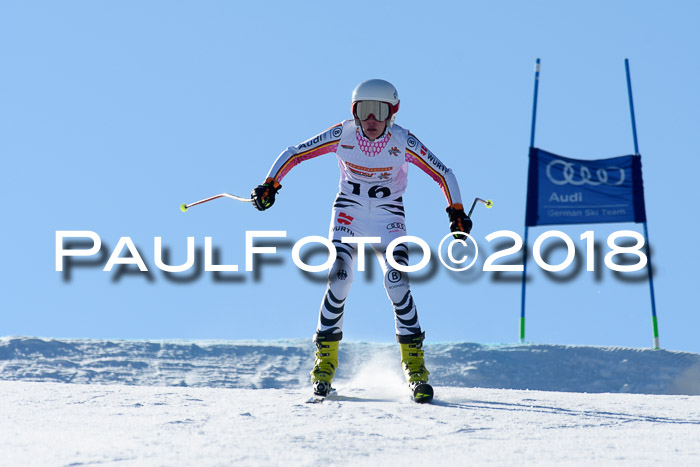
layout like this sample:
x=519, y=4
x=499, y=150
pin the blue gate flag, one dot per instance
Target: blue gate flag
x=561, y=190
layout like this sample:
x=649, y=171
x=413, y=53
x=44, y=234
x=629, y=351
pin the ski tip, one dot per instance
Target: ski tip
x=423, y=393
x=316, y=398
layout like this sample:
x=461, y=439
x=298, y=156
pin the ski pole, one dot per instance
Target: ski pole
x=486, y=202
x=184, y=207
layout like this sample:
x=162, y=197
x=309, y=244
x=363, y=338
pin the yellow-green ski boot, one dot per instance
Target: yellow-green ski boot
x=326, y=363
x=413, y=366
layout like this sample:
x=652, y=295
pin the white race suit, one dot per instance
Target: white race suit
x=373, y=178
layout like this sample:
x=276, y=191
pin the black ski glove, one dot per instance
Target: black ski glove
x=459, y=221
x=264, y=195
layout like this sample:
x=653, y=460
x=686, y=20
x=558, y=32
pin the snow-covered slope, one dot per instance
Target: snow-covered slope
x=242, y=403
x=286, y=364
x=54, y=424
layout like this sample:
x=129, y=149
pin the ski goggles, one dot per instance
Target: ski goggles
x=380, y=110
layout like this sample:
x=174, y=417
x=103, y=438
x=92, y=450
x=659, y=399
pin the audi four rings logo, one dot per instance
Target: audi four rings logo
x=396, y=225
x=585, y=176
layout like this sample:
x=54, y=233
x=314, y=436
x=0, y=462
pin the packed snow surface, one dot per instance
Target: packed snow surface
x=243, y=403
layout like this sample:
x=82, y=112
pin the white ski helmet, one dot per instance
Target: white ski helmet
x=376, y=90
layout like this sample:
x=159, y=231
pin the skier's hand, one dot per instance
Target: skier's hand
x=264, y=194
x=459, y=221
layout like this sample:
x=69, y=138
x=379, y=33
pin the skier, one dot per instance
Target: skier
x=373, y=154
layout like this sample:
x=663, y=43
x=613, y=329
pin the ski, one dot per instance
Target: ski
x=422, y=393
x=318, y=398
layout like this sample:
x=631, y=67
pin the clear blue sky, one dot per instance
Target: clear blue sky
x=113, y=114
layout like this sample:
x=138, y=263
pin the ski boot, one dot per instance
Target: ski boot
x=326, y=363
x=414, y=366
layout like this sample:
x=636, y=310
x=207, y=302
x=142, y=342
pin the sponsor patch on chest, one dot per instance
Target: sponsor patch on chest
x=369, y=172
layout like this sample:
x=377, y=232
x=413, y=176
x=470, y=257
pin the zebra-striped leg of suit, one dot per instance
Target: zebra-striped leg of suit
x=330, y=320
x=399, y=292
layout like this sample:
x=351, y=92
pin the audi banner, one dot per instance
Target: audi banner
x=561, y=190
